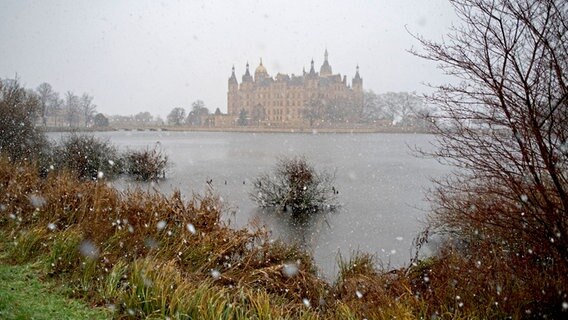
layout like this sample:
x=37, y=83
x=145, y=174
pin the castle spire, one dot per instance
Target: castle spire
x=233, y=78
x=357, y=81
x=312, y=70
x=325, y=69
x=247, y=77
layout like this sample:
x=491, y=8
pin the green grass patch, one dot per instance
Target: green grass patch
x=24, y=296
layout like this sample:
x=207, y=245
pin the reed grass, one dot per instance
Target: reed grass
x=148, y=255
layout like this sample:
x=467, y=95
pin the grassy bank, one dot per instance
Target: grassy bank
x=24, y=296
x=148, y=255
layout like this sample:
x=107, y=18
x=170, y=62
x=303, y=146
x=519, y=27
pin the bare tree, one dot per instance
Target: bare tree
x=505, y=126
x=88, y=109
x=143, y=118
x=55, y=108
x=176, y=116
x=46, y=97
x=72, y=109
x=198, y=113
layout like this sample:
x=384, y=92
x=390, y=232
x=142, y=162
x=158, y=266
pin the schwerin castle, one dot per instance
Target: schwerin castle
x=291, y=100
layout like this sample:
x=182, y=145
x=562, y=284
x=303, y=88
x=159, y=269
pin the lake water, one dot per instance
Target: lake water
x=381, y=183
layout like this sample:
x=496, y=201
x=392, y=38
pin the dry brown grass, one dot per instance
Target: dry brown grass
x=152, y=255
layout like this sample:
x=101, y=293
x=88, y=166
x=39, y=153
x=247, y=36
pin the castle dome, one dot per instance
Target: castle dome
x=260, y=68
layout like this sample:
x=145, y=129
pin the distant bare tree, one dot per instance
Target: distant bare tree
x=55, y=108
x=88, y=109
x=143, y=118
x=505, y=125
x=72, y=109
x=100, y=120
x=47, y=97
x=176, y=116
x=198, y=113
x=314, y=110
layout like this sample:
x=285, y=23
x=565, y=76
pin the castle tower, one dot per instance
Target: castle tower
x=357, y=85
x=325, y=69
x=357, y=82
x=311, y=79
x=232, y=94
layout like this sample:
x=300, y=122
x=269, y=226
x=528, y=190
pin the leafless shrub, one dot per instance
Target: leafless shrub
x=88, y=157
x=295, y=184
x=147, y=164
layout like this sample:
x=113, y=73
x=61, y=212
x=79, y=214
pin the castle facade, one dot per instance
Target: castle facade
x=288, y=99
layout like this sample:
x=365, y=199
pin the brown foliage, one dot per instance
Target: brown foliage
x=505, y=126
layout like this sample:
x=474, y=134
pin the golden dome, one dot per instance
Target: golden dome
x=260, y=68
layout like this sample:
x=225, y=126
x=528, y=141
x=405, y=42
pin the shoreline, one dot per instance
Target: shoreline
x=410, y=130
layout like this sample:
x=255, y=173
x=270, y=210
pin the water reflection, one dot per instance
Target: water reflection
x=303, y=230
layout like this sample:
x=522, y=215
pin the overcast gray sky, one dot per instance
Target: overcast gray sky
x=135, y=56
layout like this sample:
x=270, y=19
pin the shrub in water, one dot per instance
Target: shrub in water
x=147, y=164
x=295, y=184
x=88, y=157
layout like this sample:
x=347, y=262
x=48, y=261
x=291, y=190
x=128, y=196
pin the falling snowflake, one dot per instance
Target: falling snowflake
x=52, y=226
x=306, y=302
x=290, y=269
x=89, y=249
x=215, y=274
x=190, y=228
x=358, y=294
x=37, y=201
x=161, y=225
x=100, y=175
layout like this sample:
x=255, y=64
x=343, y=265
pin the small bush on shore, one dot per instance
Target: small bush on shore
x=147, y=164
x=297, y=185
x=87, y=157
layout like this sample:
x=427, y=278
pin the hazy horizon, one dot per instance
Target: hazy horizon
x=135, y=56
